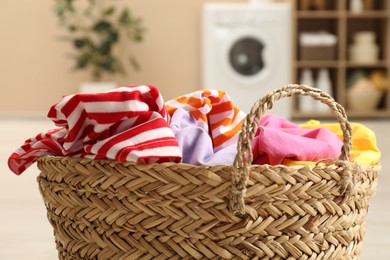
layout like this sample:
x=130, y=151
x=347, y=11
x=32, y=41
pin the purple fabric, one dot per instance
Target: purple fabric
x=196, y=144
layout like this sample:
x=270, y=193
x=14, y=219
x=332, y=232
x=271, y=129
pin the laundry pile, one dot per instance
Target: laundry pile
x=135, y=124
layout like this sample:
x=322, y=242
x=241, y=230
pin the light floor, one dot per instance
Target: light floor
x=25, y=232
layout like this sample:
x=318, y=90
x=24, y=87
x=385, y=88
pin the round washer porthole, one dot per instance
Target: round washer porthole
x=246, y=56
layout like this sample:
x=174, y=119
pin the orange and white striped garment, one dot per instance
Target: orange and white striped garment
x=125, y=124
x=214, y=112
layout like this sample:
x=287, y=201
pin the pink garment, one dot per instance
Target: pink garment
x=278, y=139
x=125, y=124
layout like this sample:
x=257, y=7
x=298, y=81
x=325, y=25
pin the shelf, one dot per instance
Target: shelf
x=350, y=113
x=378, y=64
x=337, y=19
x=347, y=14
x=368, y=114
x=317, y=64
x=317, y=14
x=368, y=15
x=339, y=63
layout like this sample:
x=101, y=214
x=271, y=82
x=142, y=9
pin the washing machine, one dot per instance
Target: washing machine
x=247, y=51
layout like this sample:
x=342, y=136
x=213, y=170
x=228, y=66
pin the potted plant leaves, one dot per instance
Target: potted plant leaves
x=98, y=29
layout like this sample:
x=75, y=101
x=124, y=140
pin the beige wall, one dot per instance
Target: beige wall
x=35, y=71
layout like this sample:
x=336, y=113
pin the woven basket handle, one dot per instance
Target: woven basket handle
x=244, y=157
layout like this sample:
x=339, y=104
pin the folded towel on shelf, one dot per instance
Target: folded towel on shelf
x=125, y=124
x=279, y=141
x=206, y=124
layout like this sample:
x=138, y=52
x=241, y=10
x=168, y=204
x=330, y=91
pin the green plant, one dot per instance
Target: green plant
x=96, y=28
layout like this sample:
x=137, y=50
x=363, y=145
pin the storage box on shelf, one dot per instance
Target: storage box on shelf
x=362, y=48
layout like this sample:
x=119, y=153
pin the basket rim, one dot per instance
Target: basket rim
x=377, y=167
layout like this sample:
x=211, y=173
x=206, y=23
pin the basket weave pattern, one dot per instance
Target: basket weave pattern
x=102, y=209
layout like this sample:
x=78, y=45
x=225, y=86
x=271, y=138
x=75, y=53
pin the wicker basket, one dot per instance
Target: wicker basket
x=103, y=209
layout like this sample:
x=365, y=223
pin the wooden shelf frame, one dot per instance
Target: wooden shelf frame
x=342, y=22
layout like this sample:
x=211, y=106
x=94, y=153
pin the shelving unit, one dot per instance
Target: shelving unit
x=337, y=18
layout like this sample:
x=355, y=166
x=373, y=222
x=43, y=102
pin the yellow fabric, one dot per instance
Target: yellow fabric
x=364, y=149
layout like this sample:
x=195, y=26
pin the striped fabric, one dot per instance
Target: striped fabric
x=126, y=124
x=213, y=111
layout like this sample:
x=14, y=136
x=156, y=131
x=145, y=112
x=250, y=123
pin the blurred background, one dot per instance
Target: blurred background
x=36, y=69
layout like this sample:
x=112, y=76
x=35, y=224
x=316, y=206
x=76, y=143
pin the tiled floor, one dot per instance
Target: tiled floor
x=26, y=234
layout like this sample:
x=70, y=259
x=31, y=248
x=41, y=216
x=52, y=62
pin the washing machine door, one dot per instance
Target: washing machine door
x=247, y=56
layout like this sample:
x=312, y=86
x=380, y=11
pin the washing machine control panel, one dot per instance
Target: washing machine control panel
x=247, y=18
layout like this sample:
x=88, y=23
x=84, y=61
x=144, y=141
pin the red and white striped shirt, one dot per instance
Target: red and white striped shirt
x=125, y=124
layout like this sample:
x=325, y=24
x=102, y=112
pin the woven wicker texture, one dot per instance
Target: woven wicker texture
x=102, y=209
